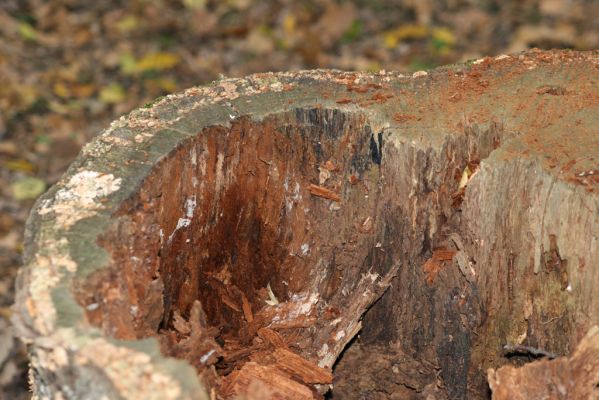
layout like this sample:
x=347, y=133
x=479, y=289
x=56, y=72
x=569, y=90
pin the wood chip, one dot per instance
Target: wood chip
x=443, y=255
x=367, y=226
x=229, y=302
x=330, y=166
x=247, y=308
x=272, y=337
x=180, y=324
x=300, y=368
x=257, y=381
x=433, y=265
x=320, y=191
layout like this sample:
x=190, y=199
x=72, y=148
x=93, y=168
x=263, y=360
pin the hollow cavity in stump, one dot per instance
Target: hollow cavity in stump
x=239, y=254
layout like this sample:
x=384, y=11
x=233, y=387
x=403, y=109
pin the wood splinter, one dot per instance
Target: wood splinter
x=323, y=192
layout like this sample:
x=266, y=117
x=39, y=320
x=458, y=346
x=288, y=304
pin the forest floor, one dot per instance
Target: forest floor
x=69, y=67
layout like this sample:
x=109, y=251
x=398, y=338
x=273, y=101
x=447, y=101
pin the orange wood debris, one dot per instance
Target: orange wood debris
x=263, y=382
x=323, y=192
x=299, y=367
x=433, y=265
x=272, y=337
x=229, y=302
x=247, y=308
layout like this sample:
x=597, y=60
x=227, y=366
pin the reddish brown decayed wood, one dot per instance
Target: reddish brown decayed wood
x=272, y=337
x=574, y=377
x=229, y=302
x=257, y=381
x=323, y=192
x=432, y=266
x=247, y=308
x=278, y=374
x=443, y=255
x=299, y=367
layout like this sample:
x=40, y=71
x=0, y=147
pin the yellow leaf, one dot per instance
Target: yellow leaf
x=407, y=32
x=444, y=35
x=19, y=165
x=27, y=31
x=373, y=67
x=167, y=84
x=128, y=63
x=128, y=24
x=442, y=41
x=195, y=4
x=157, y=61
x=58, y=107
x=289, y=23
x=27, y=188
x=113, y=93
x=61, y=90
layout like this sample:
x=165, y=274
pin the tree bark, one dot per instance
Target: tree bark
x=234, y=239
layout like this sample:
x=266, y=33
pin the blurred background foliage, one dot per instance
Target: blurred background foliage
x=69, y=67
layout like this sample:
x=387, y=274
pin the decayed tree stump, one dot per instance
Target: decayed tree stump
x=232, y=240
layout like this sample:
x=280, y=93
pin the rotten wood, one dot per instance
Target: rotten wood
x=573, y=377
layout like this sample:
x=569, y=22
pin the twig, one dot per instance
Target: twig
x=551, y=319
x=528, y=350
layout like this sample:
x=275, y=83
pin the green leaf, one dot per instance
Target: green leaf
x=354, y=31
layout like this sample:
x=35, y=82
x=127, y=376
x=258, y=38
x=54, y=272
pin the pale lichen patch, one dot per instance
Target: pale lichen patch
x=131, y=372
x=46, y=272
x=80, y=196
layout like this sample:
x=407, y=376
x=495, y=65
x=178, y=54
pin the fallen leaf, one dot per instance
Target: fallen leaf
x=61, y=90
x=195, y=4
x=127, y=63
x=406, y=32
x=19, y=165
x=83, y=90
x=127, y=24
x=157, y=61
x=27, y=32
x=442, y=40
x=113, y=93
x=28, y=188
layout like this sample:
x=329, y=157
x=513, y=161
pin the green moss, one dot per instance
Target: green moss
x=151, y=103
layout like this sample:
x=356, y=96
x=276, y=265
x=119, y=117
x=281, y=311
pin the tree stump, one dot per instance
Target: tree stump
x=287, y=235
